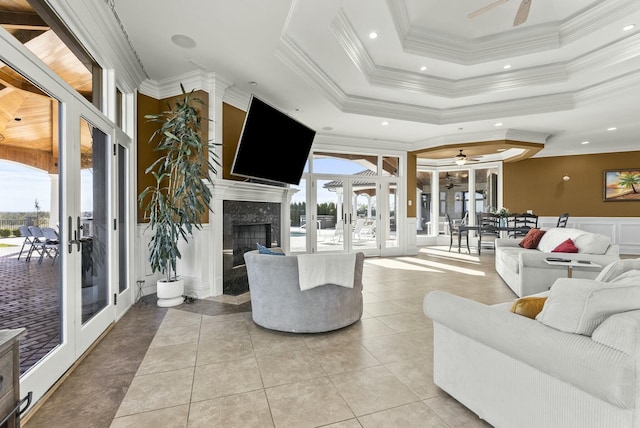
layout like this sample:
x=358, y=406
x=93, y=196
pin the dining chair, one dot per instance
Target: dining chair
x=51, y=245
x=38, y=242
x=522, y=223
x=28, y=240
x=488, y=227
x=562, y=220
x=455, y=229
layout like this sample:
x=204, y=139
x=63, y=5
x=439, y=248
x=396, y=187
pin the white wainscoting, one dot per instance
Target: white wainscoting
x=624, y=231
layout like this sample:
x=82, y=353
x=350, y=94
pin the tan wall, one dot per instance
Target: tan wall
x=537, y=184
x=232, y=121
x=146, y=154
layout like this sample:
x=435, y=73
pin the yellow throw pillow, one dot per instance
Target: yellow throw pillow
x=528, y=306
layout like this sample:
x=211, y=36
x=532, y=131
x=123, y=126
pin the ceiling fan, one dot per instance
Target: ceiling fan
x=461, y=159
x=521, y=15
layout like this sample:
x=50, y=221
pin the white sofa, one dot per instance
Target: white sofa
x=514, y=371
x=526, y=272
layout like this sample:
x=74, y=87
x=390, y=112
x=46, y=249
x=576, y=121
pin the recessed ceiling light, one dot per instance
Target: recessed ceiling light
x=498, y=124
x=585, y=142
x=506, y=67
x=183, y=41
x=629, y=27
x=17, y=119
x=501, y=150
x=373, y=35
x=327, y=128
x=384, y=123
x=253, y=83
x=423, y=68
x=297, y=109
x=613, y=128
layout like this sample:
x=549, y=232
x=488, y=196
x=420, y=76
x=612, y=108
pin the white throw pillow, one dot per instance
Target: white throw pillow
x=580, y=305
x=592, y=243
x=557, y=235
x=617, y=268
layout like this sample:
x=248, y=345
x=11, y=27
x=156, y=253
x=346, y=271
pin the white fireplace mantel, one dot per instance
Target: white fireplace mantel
x=229, y=190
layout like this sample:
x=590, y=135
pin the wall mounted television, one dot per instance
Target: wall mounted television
x=272, y=146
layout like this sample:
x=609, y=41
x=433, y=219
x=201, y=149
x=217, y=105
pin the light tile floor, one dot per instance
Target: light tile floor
x=203, y=370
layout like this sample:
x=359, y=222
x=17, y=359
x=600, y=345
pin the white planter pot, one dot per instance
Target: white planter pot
x=170, y=293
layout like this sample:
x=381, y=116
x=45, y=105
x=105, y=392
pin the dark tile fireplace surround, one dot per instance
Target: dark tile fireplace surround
x=245, y=223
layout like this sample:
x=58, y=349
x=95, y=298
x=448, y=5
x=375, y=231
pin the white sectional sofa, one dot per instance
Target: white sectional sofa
x=526, y=272
x=514, y=371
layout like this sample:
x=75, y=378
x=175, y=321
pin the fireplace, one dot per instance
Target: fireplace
x=246, y=223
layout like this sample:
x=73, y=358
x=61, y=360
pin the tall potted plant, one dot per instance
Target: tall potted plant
x=180, y=196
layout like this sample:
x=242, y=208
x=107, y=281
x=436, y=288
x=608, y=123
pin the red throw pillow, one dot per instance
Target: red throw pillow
x=532, y=238
x=566, y=247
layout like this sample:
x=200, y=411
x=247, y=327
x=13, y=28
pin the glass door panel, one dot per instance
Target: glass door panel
x=390, y=238
x=94, y=226
x=299, y=227
x=364, y=229
x=330, y=216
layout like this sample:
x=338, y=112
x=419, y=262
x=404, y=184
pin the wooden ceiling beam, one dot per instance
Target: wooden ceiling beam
x=44, y=161
x=16, y=20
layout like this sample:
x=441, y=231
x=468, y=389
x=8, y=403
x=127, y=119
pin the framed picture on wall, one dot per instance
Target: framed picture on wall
x=621, y=185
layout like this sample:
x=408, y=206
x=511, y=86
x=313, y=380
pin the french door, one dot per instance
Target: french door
x=79, y=280
x=346, y=216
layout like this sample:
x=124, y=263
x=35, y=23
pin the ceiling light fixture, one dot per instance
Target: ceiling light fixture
x=585, y=142
x=373, y=35
x=613, y=128
x=423, y=68
x=629, y=27
x=566, y=177
x=252, y=83
x=498, y=124
x=384, y=123
x=461, y=158
x=506, y=67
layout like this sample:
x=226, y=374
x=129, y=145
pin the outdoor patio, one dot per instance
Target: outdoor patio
x=30, y=298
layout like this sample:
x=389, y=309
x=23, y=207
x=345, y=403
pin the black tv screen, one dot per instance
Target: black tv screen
x=272, y=145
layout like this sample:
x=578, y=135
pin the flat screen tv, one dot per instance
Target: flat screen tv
x=273, y=146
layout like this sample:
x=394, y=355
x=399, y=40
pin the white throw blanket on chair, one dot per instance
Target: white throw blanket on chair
x=319, y=269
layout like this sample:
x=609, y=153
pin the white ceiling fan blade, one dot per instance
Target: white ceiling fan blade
x=523, y=13
x=486, y=8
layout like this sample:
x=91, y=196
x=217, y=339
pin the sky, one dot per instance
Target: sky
x=21, y=185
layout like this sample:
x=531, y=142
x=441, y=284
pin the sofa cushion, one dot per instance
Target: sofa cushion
x=620, y=331
x=592, y=243
x=580, y=305
x=532, y=238
x=566, y=247
x=555, y=236
x=529, y=306
x=617, y=268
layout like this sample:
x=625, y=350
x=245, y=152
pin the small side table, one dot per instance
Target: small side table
x=570, y=264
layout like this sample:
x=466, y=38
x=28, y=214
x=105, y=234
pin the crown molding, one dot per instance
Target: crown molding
x=607, y=56
x=519, y=42
x=99, y=31
x=596, y=18
x=494, y=135
x=291, y=55
x=394, y=78
x=295, y=58
x=338, y=143
x=193, y=80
